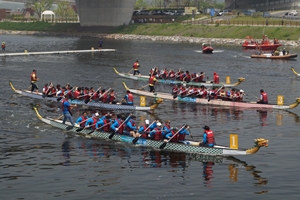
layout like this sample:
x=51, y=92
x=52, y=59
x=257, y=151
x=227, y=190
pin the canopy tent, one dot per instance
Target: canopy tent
x=48, y=12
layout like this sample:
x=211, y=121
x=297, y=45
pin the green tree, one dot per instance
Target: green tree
x=65, y=11
x=39, y=6
x=140, y=4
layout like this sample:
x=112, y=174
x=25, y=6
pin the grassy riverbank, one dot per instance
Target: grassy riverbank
x=172, y=29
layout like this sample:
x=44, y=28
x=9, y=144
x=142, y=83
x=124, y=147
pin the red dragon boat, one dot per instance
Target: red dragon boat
x=264, y=45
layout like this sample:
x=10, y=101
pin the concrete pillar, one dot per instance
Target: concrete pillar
x=105, y=12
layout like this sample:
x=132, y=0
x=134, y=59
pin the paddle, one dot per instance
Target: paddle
x=209, y=98
x=87, y=100
x=129, y=71
x=104, y=93
x=134, y=141
x=81, y=128
x=190, y=133
x=113, y=133
x=143, y=87
x=98, y=128
x=48, y=89
x=163, y=145
x=59, y=98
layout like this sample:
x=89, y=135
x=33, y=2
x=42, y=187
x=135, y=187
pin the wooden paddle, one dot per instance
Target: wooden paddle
x=59, y=98
x=134, y=141
x=129, y=71
x=82, y=122
x=143, y=87
x=81, y=128
x=98, y=128
x=104, y=93
x=209, y=98
x=86, y=101
x=113, y=133
x=190, y=133
x=163, y=145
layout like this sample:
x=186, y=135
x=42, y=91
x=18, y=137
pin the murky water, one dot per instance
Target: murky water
x=41, y=162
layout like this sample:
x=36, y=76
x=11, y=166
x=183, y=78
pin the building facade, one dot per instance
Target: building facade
x=263, y=5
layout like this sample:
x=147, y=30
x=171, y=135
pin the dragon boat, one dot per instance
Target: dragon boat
x=215, y=102
x=292, y=68
x=167, y=81
x=177, y=147
x=106, y=106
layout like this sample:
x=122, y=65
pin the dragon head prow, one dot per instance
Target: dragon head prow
x=156, y=103
x=241, y=79
x=261, y=142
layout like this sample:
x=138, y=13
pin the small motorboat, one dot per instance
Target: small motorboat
x=272, y=56
x=206, y=48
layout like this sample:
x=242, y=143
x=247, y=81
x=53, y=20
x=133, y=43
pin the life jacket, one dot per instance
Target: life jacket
x=216, y=79
x=175, y=138
x=151, y=80
x=130, y=98
x=95, y=97
x=264, y=97
x=187, y=77
x=157, y=134
x=106, y=126
x=53, y=90
x=181, y=77
x=86, y=95
x=181, y=137
x=111, y=97
x=183, y=91
x=45, y=89
x=132, y=123
x=76, y=94
x=82, y=123
x=121, y=129
x=175, y=89
x=145, y=135
x=204, y=93
x=62, y=92
x=94, y=122
x=210, y=136
x=136, y=66
x=3, y=45
x=104, y=98
x=171, y=75
x=33, y=77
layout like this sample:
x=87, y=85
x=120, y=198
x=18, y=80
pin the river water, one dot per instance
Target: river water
x=38, y=161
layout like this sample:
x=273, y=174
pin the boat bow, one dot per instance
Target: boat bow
x=240, y=80
x=294, y=105
x=259, y=142
x=292, y=68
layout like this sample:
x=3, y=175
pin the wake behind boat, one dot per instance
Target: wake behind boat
x=216, y=102
x=168, y=81
x=91, y=103
x=170, y=146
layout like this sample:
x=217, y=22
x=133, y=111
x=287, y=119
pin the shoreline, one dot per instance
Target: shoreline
x=223, y=41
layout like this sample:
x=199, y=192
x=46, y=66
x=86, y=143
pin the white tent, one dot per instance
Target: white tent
x=48, y=12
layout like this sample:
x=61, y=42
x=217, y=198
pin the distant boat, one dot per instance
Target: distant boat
x=250, y=43
x=206, y=48
x=270, y=56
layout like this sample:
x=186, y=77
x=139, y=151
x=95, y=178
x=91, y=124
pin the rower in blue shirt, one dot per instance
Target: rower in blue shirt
x=128, y=99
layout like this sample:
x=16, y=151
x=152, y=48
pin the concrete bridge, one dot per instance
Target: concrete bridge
x=102, y=12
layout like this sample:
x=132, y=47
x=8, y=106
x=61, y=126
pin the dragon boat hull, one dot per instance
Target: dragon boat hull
x=78, y=102
x=215, y=102
x=176, y=147
x=146, y=78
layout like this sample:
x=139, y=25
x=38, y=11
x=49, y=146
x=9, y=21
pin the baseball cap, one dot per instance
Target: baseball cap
x=147, y=121
x=96, y=114
x=241, y=90
x=158, y=124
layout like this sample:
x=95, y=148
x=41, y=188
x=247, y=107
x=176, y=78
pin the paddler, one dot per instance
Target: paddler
x=128, y=99
x=263, y=97
x=152, y=81
x=33, y=80
x=82, y=119
x=66, y=108
x=216, y=78
x=136, y=66
x=208, y=137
